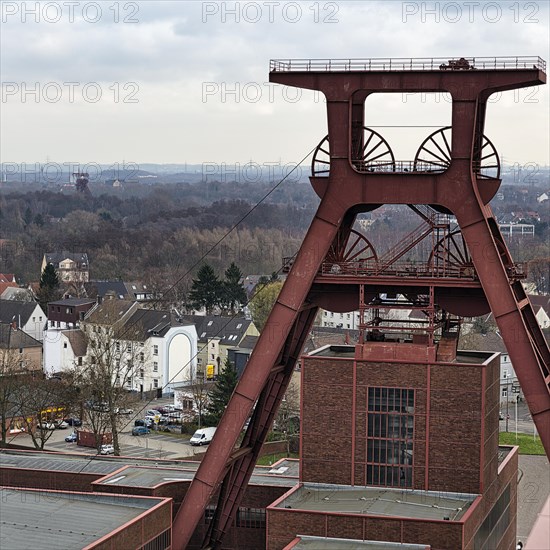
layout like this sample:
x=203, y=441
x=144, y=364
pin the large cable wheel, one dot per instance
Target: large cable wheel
x=351, y=247
x=373, y=154
x=486, y=160
x=434, y=155
x=451, y=256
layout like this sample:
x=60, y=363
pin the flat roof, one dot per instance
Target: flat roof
x=64, y=519
x=139, y=472
x=462, y=356
x=143, y=476
x=379, y=501
x=320, y=543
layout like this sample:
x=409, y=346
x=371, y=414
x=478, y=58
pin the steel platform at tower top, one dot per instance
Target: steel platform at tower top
x=360, y=174
x=406, y=64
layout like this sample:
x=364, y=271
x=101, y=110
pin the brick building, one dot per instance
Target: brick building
x=399, y=444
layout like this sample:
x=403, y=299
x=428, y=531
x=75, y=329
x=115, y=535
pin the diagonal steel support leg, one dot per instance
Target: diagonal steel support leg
x=234, y=485
x=264, y=381
x=514, y=316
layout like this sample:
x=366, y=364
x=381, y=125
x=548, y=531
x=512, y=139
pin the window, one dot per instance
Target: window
x=155, y=350
x=505, y=373
x=212, y=356
x=34, y=319
x=40, y=319
x=117, y=346
x=239, y=326
x=141, y=373
x=504, y=392
x=155, y=383
x=213, y=345
x=141, y=357
x=80, y=361
x=155, y=366
x=390, y=431
x=252, y=518
x=65, y=345
x=209, y=323
x=129, y=346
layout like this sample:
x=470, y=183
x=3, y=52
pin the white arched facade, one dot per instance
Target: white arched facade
x=181, y=357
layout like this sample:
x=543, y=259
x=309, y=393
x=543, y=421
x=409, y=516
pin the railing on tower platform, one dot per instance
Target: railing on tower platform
x=408, y=64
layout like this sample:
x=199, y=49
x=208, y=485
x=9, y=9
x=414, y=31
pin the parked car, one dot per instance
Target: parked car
x=107, y=449
x=71, y=438
x=152, y=412
x=47, y=426
x=73, y=421
x=140, y=430
x=61, y=424
x=202, y=436
x=139, y=422
x=124, y=411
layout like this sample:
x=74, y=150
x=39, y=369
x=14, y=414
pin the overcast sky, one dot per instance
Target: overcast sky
x=166, y=72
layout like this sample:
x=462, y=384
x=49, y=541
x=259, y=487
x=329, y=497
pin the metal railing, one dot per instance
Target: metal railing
x=402, y=167
x=405, y=269
x=407, y=64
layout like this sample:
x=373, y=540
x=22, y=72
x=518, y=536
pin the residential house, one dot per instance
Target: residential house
x=63, y=350
x=27, y=316
x=510, y=389
x=216, y=335
x=7, y=280
x=240, y=354
x=72, y=267
x=541, y=307
x=140, y=292
x=69, y=312
x=17, y=293
x=28, y=348
x=159, y=349
x=100, y=290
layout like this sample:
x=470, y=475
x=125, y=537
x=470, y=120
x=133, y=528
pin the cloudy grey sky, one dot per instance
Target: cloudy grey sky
x=185, y=81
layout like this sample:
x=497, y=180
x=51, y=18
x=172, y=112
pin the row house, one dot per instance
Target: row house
x=216, y=336
x=150, y=351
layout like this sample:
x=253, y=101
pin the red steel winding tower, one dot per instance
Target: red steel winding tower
x=470, y=271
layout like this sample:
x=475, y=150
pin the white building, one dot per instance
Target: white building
x=27, y=316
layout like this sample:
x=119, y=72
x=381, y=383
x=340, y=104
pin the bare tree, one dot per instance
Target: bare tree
x=115, y=355
x=41, y=402
x=289, y=411
x=196, y=392
x=11, y=378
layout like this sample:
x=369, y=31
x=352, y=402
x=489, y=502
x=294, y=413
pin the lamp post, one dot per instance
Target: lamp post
x=507, y=401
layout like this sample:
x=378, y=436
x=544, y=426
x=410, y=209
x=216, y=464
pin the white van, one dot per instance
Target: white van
x=202, y=436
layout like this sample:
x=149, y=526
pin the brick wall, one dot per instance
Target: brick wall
x=283, y=525
x=38, y=479
x=334, y=442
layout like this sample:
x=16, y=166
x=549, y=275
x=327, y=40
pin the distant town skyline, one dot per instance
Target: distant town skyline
x=176, y=83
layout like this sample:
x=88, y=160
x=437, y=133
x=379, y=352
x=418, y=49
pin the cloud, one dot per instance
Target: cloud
x=177, y=48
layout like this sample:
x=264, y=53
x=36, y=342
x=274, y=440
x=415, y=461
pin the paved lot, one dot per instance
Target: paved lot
x=533, y=491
